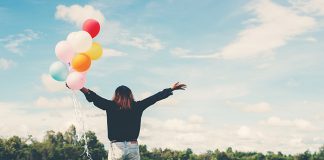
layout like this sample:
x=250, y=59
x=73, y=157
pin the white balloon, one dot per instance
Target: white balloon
x=64, y=51
x=71, y=35
x=80, y=41
x=76, y=80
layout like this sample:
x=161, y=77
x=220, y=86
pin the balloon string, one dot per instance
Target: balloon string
x=85, y=138
x=79, y=117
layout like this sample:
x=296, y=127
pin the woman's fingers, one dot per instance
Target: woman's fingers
x=178, y=86
x=183, y=87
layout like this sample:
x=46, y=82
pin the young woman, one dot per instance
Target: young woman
x=124, y=118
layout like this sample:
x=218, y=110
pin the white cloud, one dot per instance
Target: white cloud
x=114, y=32
x=6, y=64
x=315, y=7
x=311, y=39
x=144, y=95
x=296, y=141
x=111, y=31
x=108, y=52
x=296, y=123
x=14, y=43
x=219, y=93
x=276, y=121
x=55, y=103
x=180, y=51
x=225, y=91
x=77, y=14
x=145, y=41
x=22, y=122
x=244, y=132
x=201, y=137
x=263, y=66
x=260, y=107
x=179, y=125
x=51, y=85
x=195, y=119
x=275, y=26
x=156, y=133
x=293, y=83
x=186, y=53
x=171, y=101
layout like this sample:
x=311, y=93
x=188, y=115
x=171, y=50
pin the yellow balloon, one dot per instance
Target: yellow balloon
x=95, y=52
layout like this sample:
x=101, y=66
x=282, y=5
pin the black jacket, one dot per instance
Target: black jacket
x=125, y=124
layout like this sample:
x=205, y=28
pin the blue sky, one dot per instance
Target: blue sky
x=253, y=70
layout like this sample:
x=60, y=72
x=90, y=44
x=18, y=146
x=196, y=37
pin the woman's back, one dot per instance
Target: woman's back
x=124, y=122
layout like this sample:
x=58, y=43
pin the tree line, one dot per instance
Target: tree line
x=65, y=146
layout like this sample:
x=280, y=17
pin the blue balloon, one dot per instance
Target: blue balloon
x=59, y=71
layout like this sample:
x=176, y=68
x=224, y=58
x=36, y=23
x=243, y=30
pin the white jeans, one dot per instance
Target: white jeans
x=123, y=150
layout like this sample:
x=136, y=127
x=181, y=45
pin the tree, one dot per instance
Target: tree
x=144, y=153
x=96, y=148
x=54, y=146
x=320, y=154
x=70, y=135
x=222, y=156
x=59, y=146
x=304, y=156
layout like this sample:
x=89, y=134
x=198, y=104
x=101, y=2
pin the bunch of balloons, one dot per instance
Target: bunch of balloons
x=75, y=55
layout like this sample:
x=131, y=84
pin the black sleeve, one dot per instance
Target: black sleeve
x=98, y=101
x=153, y=99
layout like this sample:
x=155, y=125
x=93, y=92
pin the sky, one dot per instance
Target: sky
x=254, y=70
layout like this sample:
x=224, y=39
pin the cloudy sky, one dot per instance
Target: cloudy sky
x=254, y=70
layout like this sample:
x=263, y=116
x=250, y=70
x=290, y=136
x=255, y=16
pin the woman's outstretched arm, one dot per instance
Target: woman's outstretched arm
x=97, y=100
x=160, y=95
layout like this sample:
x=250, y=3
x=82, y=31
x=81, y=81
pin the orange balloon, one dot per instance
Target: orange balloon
x=81, y=62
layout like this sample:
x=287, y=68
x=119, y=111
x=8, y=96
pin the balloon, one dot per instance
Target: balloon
x=76, y=80
x=58, y=71
x=95, y=51
x=64, y=51
x=80, y=41
x=81, y=62
x=71, y=69
x=92, y=27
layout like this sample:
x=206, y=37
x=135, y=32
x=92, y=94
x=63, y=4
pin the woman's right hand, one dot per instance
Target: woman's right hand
x=84, y=90
x=178, y=86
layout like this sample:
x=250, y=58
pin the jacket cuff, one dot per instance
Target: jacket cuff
x=169, y=91
x=89, y=95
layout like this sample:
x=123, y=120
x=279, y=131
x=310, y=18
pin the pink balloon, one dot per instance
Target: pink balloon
x=64, y=51
x=76, y=80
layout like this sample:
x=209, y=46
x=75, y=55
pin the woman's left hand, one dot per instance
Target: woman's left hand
x=178, y=86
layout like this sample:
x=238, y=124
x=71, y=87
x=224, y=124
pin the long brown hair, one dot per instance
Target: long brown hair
x=123, y=97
